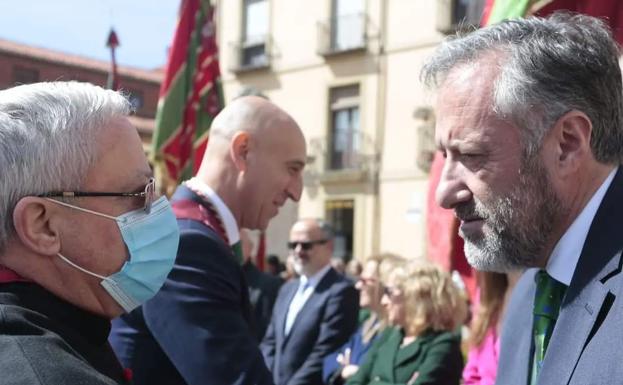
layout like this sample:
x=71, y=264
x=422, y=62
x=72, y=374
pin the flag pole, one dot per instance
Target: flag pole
x=113, y=43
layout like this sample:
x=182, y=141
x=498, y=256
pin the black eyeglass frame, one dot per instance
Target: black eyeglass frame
x=148, y=194
x=306, y=245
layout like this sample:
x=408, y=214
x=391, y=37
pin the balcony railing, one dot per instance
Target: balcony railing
x=349, y=156
x=342, y=34
x=254, y=53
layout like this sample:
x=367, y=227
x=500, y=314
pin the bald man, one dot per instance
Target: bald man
x=199, y=329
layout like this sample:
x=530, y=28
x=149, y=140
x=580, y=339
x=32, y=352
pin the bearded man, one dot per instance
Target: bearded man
x=530, y=125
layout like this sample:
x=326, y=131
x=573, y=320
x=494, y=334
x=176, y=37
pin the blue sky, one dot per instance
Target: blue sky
x=144, y=27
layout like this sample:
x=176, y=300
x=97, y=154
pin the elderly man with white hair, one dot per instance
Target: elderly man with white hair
x=82, y=236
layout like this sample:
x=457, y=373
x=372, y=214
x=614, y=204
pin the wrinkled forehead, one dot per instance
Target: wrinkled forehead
x=121, y=162
x=464, y=101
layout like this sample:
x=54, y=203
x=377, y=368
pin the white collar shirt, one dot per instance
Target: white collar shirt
x=229, y=222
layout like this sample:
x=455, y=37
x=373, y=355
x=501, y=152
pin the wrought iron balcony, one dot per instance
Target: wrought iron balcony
x=345, y=156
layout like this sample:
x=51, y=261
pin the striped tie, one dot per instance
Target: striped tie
x=547, y=300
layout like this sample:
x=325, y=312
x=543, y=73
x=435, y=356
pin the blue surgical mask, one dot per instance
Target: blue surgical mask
x=152, y=239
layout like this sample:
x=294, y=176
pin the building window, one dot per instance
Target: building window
x=453, y=15
x=23, y=75
x=347, y=25
x=255, y=33
x=344, y=141
x=340, y=214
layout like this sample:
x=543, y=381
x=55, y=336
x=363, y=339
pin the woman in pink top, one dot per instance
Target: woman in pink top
x=482, y=359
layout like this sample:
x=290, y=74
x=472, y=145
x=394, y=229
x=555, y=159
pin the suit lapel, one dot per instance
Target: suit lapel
x=571, y=334
x=189, y=205
x=283, y=313
x=411, y=350
x=585, y=299
x=387, y=354
x=313, y=301
x=516, y=343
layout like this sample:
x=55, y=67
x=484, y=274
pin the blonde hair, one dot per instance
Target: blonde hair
x=493, y=287
x=384, y=264
x=432, y=300
x=387, y=263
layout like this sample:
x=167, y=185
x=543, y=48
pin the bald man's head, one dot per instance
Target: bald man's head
x=250, y=114
x=254, y=159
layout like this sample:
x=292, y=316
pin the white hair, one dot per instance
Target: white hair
x=48, y=139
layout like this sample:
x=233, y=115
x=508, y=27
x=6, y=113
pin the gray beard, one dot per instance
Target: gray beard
x=517, y=228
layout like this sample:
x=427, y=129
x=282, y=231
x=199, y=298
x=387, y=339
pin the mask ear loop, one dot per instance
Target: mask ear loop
x=81, y=268
x=82, y=209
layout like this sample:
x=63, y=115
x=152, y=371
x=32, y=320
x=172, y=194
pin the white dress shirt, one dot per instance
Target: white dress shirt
x=229, y=222
x=304, y=291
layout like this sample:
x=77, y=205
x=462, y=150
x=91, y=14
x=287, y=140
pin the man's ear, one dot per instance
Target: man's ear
x=239, y=149
x=36, y=225
x=572, y=135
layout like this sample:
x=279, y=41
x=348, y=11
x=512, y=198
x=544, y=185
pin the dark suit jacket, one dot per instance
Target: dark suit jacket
x=196, y=329
x=263, y=290
x=324, y=323
x=435, y=356
x=586, y=344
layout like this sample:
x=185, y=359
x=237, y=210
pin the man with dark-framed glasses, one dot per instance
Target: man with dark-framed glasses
x=313, y=314
x=83, y=238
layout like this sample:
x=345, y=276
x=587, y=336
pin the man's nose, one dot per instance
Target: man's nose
x=298, y=249
x=451, y=189
x=295, y=188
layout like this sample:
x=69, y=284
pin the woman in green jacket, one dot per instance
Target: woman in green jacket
x=425, y=308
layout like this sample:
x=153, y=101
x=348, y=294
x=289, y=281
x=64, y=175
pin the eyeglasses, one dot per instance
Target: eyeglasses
x=149, y=194
x=390, y=291
x=306, y=245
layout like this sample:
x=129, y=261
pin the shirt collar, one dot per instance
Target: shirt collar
x=564, y=259
x=231, y=227
x=314, y=279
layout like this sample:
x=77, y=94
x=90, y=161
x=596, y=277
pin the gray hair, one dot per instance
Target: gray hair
x=549, y=66
x=48, y=139
x=326, y=228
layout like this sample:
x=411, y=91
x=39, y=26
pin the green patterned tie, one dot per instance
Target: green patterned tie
x=547, y=300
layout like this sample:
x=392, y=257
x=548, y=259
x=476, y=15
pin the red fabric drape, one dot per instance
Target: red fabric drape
x=610, y=10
